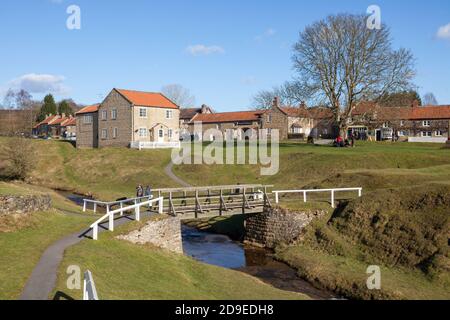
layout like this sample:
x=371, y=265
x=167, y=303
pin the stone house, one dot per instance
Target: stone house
x=323, y=123
x=187, y=114
x=402, y=123
x=232, y=125
x=127, y=117
x=292, y=122
x=87, y=127
x=56, y=126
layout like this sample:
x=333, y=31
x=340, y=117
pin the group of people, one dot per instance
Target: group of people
x=141, y=192
x=339, y=142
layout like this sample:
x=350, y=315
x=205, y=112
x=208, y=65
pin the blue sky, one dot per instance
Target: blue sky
x=223, y=51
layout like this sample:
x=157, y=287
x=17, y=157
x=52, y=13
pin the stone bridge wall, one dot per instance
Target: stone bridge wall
x=164, y=233
x=24, y=204
x=277, y=226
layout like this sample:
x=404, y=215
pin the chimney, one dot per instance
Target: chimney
x=204, y=108
x=302, y=105
x=415, y=104
x=276, y=102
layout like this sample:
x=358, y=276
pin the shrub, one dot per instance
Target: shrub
x=17, y=155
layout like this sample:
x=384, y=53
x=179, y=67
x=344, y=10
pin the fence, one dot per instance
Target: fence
x=109, y=205
x=305, y=192
x=136, y=207
x=155, y=145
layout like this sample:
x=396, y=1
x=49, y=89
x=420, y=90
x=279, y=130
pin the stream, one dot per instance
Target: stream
x=220, y=250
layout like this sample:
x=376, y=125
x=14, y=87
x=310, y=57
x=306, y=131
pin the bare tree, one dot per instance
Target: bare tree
x=178, y=94
x=18, y=155
x=429, y=99
x=340, y=62
x=287, y=94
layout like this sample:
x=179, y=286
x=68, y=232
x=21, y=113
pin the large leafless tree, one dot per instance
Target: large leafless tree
x=429, y=99
x=340, y=61
x=178, y=94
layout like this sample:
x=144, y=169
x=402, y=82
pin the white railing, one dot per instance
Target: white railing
x=155, y=145
x=305, y=192
x=428, y=139
x=108, y=205
x=89, y=290
x=136, y=207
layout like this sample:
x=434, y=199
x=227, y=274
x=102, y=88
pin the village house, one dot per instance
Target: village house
x=56, y=126
x=292, y=122
x=411, y=123
x=187, y=114
x=128, y=118
x=87, y=127
x=232, y=125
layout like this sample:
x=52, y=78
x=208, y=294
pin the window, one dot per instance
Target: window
x=142, y=132
x=269, y=131
x=104, y=115
x=402, y=123
x=170, y=133
x=386, y=125
x=161, y=133
x=113, y=114
x=427, y=134
x=269, y=118
x=438, y=133
x=169, y=114
x=115, y=133
x=104, y=134
x=142, y=112
x=426, y=123
x=87, y=119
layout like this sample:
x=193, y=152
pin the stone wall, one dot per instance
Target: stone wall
x=164, y=233
x=277, y=226
x=24, y=204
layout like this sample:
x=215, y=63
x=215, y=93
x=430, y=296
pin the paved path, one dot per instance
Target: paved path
x=42, y=281
x=168, y=170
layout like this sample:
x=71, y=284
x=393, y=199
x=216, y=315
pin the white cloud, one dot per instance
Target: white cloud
x=202, y=50
x=40, y=83
x=267, y=34
x=444, y=32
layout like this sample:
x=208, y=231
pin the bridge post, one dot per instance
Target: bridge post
x=111, y=219
x=276, y=197
x=221, y=203
x=244, y=199
x=304, y=196
x=95, y=232
x=161, y=205
x=138, y=213
x=84, y=205
x=332, y=199
x=95, y=207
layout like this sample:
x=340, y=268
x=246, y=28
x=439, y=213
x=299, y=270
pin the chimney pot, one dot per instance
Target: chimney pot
x=276, y=102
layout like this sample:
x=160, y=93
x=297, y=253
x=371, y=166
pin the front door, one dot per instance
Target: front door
x=161, y=135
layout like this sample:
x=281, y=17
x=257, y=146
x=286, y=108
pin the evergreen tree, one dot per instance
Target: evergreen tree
x=49, y=107
x=65, y=108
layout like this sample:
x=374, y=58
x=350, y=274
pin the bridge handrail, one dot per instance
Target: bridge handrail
x=306, y=191
x=136, y=207
x=112, y=203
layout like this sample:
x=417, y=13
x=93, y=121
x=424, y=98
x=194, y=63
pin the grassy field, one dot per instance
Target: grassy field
x=405, y=234
x=105, y=173
x=370, y=165
x=336, y=250
x=126, y=271
x=21, y=249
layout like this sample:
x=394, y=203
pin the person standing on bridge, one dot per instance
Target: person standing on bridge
x=139, y=191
